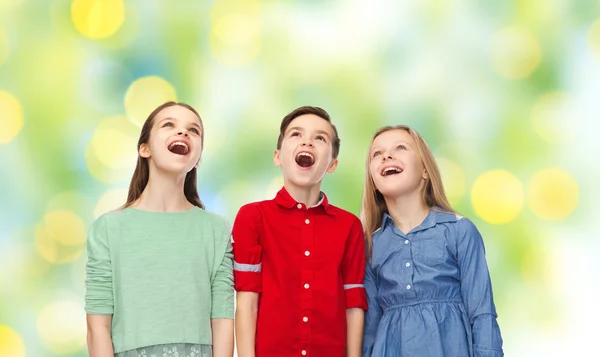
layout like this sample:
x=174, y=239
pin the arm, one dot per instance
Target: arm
x=99, y=292
x=476, y=291
x=353, y=270
x=222, y=304
x=222, y=337
x=355, y=318
x=98, y=336
x=245, y=323
x=247, y=254
x=374, y=313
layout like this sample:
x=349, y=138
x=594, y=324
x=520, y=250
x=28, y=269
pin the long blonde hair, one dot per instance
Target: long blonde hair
x=373, y=204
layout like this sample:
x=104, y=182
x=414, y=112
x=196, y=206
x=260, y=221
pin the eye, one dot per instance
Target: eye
x=401, y=147
x=321, y=137
x=195, y=131
x=376, y=153
x=295, y=133
x=167, y=124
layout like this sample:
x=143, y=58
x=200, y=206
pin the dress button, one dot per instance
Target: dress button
x=408, y=287
x=304, y=352
x=307, y=221
x=305, y=319
x=407, y=264
x=406, y=241
x=307, y=253
x=306, y=286
x=299, y=205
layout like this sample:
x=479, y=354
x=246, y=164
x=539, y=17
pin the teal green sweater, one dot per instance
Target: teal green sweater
x=161, y=275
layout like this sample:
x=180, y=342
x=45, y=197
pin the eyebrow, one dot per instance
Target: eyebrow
x=396, y=143
x=302, y=129
x=175, y=119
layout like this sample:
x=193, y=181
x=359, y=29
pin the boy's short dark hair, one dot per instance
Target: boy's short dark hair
x=321, y=113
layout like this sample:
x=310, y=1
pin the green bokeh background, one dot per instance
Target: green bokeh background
x=505, y=92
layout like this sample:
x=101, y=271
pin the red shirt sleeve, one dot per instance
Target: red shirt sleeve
x=247, y=265
x=353, y=268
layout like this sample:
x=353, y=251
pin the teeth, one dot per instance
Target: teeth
x=390, y=169
x=306, y=154
x=178, y=143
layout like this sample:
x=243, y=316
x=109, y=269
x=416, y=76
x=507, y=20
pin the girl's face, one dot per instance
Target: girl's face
x=395, y=165
x=175, y=143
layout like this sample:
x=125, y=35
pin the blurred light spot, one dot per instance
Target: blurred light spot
x=111, y=148
x=11, y=117
x=111, y=153
x=61, y=236
x=7, y=4
x=594, y=38
x=98, y=19
x=11, y=343
x=552, y=194
x=144, y=95
x=235, y=33
x=66, y=227
x=453, y=178
x=60, y=327
x=4, y=46
x=274, y=187
x=550, y=117
x=21, y=257
x=110, y=200
x=73, y=201
x=497, y=196
x=516, y=53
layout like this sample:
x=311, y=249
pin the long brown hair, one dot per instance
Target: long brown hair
x=373, y=203
x=141, y=174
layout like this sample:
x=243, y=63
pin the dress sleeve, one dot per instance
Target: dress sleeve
x=476, y=290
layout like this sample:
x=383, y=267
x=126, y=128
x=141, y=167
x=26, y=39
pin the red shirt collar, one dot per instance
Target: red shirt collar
x=284, y=199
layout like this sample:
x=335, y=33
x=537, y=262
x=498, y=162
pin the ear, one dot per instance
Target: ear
x=332, y=166
x=197, y=163
x=276, y=159
x=425, y=174
x=144, y=151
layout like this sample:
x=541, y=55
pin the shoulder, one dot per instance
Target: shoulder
x=214, y=220
x=252, y=212
x=344, y=217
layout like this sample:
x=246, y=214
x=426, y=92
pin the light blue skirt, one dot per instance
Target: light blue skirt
x=169, y=350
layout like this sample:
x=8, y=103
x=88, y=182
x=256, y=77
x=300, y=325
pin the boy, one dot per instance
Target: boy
x=298, y=260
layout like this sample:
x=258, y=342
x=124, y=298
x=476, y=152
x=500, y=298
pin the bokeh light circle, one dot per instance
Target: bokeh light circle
x=552, y=194
x=497, y=196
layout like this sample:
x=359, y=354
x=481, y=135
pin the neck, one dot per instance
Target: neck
x=310, y=195
x=163, y=193
x=407, y=211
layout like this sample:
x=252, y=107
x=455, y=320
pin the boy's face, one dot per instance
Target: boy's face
x=306, y=151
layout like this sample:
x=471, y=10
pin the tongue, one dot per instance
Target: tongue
x=304, y=161
x=178, y=149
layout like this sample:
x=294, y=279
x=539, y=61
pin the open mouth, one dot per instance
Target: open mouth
x=305, y=159
x=392, y=170
x=179, y=148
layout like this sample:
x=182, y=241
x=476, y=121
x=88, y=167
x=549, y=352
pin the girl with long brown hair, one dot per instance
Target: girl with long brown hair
x=427, y=280
x=160, y=269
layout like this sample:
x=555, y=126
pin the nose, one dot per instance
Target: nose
x=183, y=132
x=387, y=156
x=307, y=143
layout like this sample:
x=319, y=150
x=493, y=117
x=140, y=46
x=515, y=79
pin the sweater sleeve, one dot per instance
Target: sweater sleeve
x=99, y=283
x=222, y=282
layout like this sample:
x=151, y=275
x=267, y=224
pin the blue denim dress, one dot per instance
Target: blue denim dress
x=429, y=292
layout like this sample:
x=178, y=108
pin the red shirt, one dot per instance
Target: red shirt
x=308, y=266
